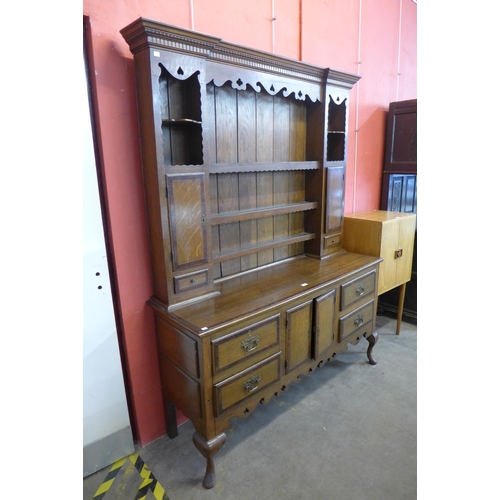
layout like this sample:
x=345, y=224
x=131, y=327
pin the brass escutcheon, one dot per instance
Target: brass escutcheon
x=358, y=320
x=250, y=343
x=252, y=383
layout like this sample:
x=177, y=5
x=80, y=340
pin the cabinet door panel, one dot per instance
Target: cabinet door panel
x=406, y=240
x=324, y=322
x=334, y=198
x=186, y=204
x=299, y=327
x=388, y=268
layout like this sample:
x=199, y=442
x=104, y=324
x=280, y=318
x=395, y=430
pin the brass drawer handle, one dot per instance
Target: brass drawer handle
x=250, y=343
x=358, y=320
x=360, y=289
x=252, y=383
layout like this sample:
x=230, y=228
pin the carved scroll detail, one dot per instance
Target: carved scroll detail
x=338, y=98
x=180, y=72
x=297, y=92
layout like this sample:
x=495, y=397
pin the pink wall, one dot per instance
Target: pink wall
x=376, y=38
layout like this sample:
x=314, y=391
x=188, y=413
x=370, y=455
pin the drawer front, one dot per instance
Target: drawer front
x=246, y=383
x=332, y=241
x=357, y=289
x=359, y=319
x=245, y=343
x=190, y=281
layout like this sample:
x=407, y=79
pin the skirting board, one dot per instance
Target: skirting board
x=107, y=450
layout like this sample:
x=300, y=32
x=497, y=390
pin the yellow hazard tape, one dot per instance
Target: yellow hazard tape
x=149, y=483
x=109, y=479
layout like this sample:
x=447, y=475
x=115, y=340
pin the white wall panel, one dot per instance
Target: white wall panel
x=107, y=436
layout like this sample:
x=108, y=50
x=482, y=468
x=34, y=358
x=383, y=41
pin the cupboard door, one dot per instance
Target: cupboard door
x=299, y=328
x=389, y=241
x=186, y=205
x=324, y=307
x=334, y=199
x=405, y=249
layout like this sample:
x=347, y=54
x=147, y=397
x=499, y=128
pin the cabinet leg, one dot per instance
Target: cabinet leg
x=208, y=449
x=172, y=431
x=372, y=340
x=402, y=291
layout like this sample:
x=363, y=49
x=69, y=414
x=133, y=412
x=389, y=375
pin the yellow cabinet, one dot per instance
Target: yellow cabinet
x=389, y=235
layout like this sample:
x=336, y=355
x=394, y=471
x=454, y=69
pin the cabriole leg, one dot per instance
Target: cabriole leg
x=208, y=449
x=372, y=340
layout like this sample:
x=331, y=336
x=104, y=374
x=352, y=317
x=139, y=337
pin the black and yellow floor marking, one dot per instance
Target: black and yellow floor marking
x=109, y=479
x=149, y=482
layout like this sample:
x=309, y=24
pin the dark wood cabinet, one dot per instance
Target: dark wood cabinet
x=401, y=138
x=243, y=159
x=399, y=190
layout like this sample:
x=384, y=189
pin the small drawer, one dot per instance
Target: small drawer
x=246, y=383
x=356, y=289
x=332, y=241
x=356, y=320
x=190, y=281
x=244, y=343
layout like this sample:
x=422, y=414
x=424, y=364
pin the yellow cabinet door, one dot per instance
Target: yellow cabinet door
x=406, y=242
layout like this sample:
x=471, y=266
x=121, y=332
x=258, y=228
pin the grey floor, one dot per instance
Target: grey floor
x=348, y=431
